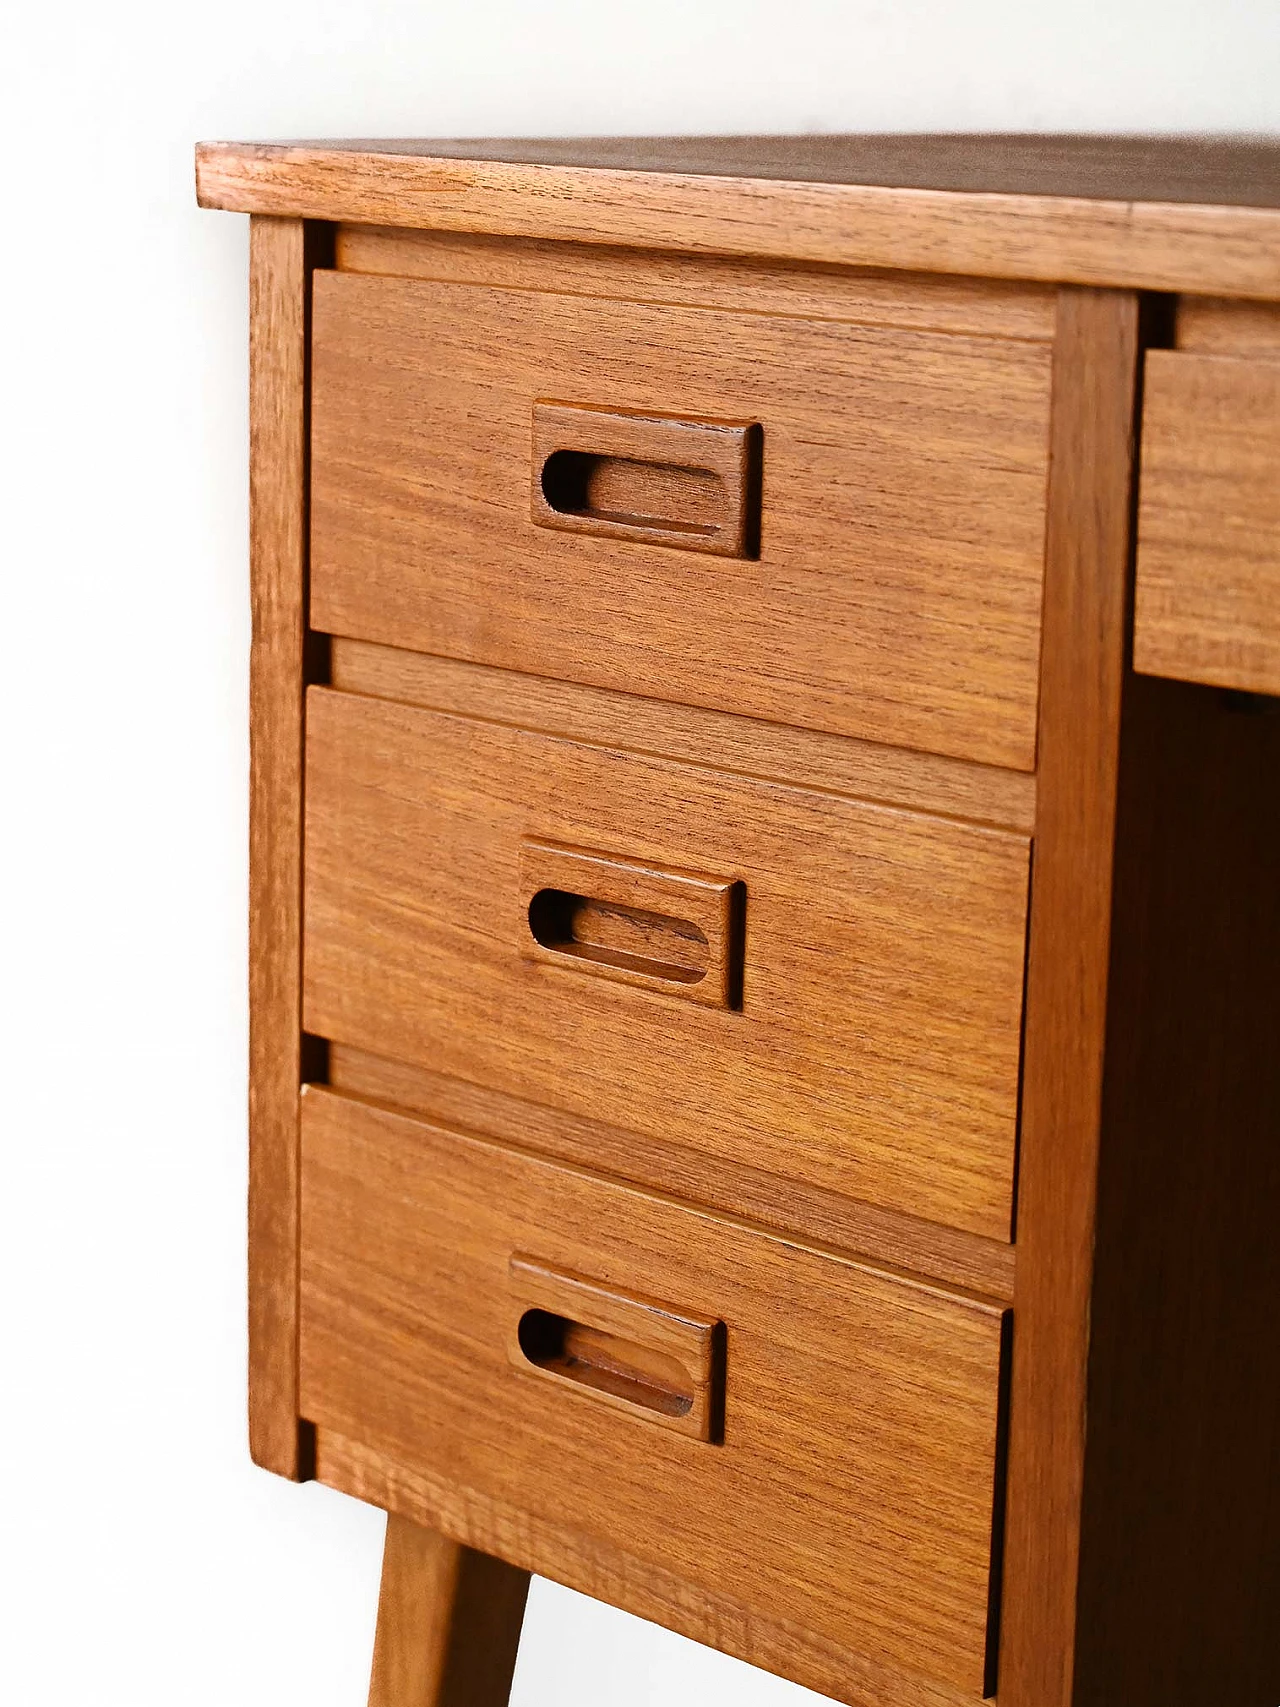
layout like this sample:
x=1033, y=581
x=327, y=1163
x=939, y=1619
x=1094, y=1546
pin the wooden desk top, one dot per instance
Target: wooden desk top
x=1193, y=214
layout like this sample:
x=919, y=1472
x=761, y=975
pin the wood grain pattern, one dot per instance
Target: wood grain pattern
x=1180, y=1554
x=876, y=1050
x=448, y=1622
x=865, y=770
x=852, y=1492
x=597, y=1565
x=279, y=263
x=1095, y=376
x=1208, y=595
x=1216, y=328
x=846, y=1227
x=1162, y=245
x=1231, y=171
x=922, y=302
x=924, y=456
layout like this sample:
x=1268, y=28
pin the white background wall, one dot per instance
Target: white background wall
x=145, y=1562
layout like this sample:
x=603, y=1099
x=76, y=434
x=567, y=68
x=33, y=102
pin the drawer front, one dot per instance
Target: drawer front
x=788, y=979
x=845, y=1484
x=1208, y=579
x=898, y=523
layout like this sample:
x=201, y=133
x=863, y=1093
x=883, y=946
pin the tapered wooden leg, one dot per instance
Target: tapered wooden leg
x=448, y=1623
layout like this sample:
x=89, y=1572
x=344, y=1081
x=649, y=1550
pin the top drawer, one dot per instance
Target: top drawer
x=894, y=592
x=1208, y=574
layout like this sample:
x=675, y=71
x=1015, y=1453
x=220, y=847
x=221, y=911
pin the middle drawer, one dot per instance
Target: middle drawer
x=781, y=977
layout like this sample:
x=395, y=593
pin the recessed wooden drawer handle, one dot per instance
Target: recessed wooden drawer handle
x=638, y=924
x=669, y=480
x=630, y=1353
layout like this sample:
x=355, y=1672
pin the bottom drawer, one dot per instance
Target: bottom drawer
x=812, y=1440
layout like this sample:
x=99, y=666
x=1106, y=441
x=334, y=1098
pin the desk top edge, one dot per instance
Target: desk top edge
x=1194, y=213
x=1219, y=171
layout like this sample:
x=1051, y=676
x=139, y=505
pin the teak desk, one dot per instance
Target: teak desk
x=765, y=1093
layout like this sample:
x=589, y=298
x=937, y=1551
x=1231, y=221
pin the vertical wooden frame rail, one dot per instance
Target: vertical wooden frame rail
x=1086, y=608
x=281, y=253
x=449, y=1618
